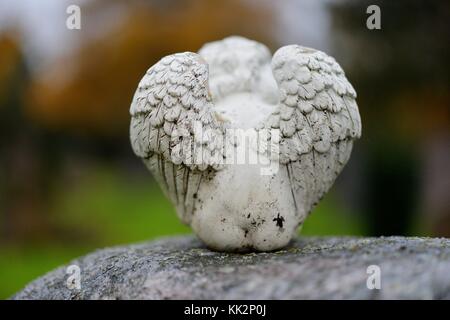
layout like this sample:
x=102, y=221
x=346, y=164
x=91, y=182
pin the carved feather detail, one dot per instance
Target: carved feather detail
x=185, y=104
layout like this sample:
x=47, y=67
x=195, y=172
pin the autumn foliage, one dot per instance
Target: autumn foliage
x=91, y=89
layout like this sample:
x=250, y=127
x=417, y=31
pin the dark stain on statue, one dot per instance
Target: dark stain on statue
x=279, y=221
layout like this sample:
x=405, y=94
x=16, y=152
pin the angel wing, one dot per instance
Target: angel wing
x=171, y=115
x=318, y=120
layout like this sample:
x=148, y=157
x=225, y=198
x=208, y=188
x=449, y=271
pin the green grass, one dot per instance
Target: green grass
x=112, y=209
x=20, y=265
x=330, y=218
x=104, y=208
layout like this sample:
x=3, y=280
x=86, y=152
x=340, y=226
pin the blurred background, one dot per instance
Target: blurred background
x=70, y=183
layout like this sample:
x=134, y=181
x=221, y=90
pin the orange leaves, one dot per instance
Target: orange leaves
x=91, y=90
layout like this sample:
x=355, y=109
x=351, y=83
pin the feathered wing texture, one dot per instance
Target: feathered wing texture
x=318, y=120
x=174, y=129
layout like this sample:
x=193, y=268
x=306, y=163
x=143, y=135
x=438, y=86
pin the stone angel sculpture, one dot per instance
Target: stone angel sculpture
x=298, y=104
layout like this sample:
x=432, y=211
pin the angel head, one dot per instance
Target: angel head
x=236, y=64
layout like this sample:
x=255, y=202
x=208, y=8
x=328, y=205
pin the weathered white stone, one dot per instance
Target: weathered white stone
x=309, y=268
x=186, y=107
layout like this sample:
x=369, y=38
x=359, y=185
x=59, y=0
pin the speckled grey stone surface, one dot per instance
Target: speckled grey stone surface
x=310, y=268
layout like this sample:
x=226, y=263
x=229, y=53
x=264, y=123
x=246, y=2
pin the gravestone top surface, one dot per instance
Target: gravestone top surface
x=309, y=268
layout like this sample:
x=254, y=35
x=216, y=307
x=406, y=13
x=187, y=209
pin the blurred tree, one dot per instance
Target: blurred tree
x=401, y=75
x=90, y=90
x=24, y=161
x=77, y=107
